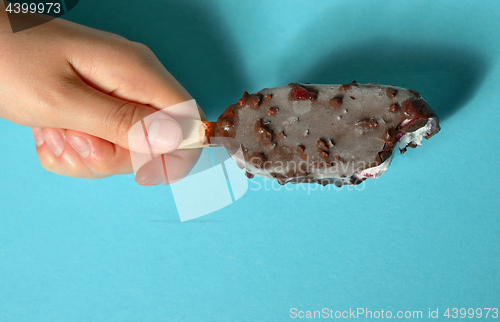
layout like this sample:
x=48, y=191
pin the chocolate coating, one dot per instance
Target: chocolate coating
x=323, y=133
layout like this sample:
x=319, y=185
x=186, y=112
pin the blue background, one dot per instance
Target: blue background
x=424, y=235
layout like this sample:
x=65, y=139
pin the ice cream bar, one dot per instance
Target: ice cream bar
x=326, y=134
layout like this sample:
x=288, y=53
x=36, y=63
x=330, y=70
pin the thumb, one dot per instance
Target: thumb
x=137, y=127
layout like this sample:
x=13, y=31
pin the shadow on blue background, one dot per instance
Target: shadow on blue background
x=189, y=38
x=447, y=77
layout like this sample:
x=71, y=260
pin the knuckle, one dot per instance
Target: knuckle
x=122, y=118
x=142, y=53
x=49, y=163
x=104, y=171
x=79, y=172
x=135, y=49
x=134, y=52
x=142, y=48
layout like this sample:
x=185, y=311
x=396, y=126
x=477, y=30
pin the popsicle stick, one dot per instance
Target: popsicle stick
x=197, y=134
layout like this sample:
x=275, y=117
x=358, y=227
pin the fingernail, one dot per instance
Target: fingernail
x=150, y=176
x=164, y=135
x=151, y=181
x=152, y=173
x=38, y=135
x=81, y=145
x=54, y=140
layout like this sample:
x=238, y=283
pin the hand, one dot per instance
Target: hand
x=81, y=90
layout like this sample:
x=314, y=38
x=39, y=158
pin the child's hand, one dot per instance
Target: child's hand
x=81, y=90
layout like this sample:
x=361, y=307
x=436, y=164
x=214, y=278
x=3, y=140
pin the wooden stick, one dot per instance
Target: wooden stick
x=197, y=134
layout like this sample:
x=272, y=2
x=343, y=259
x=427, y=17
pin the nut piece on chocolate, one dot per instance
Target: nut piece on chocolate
x=326, y=134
